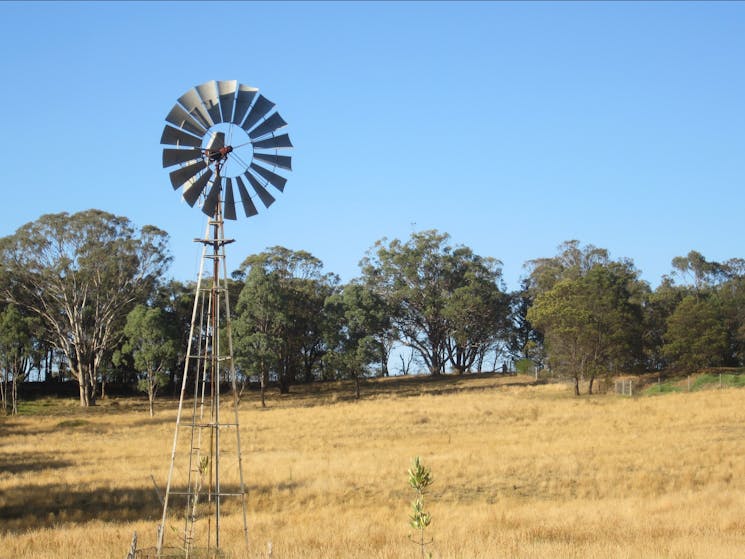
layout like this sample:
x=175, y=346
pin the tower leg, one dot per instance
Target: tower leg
x=196, y=473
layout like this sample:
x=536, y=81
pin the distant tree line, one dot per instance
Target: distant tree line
x=84, y=299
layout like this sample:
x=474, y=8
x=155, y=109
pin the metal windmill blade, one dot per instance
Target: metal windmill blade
x=194, y=189
x=222, y=136
x=260, y=108
x=262, y=192
x=248, y=204
x=208, y=93
x=193, y=105
x=226, y=91
x=175, y=156
x=178, y=137
x=275, y=142
x=229, y=212
x=274, y=179
x=243, y=100
x=281, y=161
x=183, y=174
x=180, y=118
x=272, y=123
x=213, y=197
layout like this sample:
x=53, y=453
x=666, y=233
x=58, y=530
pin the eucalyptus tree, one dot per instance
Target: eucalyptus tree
x=280, y=322
x=699, y=313
x=176, y=300
x=446, y=301
x=589, y=312
x=314, y=325
x=366, y=320
x=572, y=262
x=80, y=274
x=477, y=310
x=410, y=276
x=702, y=273
x=659, y=305
x=560, y=315
x=152, y=341
x=696, y=336
x=523, y=340
x=19, y=350
x=358, y=322
x=731, y=296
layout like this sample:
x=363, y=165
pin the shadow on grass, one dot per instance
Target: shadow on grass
x=322, y=393
x=80, y=424
x=10, y=427
x=26, y=462
x=54, y=504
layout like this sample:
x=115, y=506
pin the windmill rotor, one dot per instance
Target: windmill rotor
x=222, y=145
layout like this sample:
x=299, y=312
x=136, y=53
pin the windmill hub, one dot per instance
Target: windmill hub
x=218, y=154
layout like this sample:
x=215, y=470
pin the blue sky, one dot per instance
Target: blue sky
x=511, y=126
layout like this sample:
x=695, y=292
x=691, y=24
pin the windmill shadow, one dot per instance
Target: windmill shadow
x=55, y=504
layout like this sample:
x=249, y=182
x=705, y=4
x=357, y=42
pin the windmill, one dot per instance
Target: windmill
x=220, y=136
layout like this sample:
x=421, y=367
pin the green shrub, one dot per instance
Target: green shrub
x=420, y=477
x=661, y=388
x=712, y=380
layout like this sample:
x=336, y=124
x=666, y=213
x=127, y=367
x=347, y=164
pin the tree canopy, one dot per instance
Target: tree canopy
x=434, y=290
x=152, y=340
x=90, y=287
x=280, y=322
x=80, y=274
x=589, y=311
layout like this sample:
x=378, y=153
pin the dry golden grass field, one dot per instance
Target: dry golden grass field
x=520, y=471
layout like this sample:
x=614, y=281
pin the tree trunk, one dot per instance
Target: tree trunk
x=460, y=362
x=93, y=375
x=4, y=392
x=592, y=379
x=14, y=403
x=91, y=390
x=356, y=387
x=151, y=399
x=82, y=379
x=83, y=394
x=576, y=385
x=48, y=364
x=264, y=380
x=284, y=384
x=435, y=366
x=405, y=364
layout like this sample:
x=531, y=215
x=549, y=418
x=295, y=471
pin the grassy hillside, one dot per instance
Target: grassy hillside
x=520, y=471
